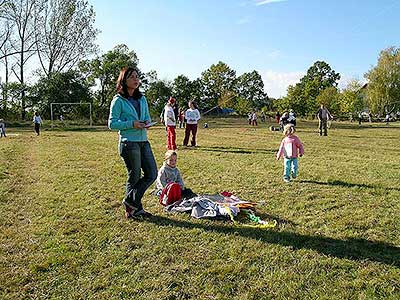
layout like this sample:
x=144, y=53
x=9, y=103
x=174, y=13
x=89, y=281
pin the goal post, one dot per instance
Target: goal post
x=68, y=103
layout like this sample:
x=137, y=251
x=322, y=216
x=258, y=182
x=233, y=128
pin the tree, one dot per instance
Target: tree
x=351, y=100
x=384, y=82
x=250, y=86
x=182, y=90
x=21, y=14
x=66, y=87
x=330, y=97
x=5, y=52
x=302, y=96
x=65, y=34
x=216, y=80
x=105, y=70
x=157, y=95
x=242, y=106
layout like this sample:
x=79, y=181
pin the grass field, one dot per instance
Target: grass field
x=63, y=234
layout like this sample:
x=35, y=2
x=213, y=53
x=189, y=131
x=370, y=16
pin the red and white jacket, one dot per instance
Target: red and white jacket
x=290, y=147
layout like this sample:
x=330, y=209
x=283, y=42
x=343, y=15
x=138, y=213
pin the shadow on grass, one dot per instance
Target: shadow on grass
x=234, y=150
x=347, y=184
x=353, y=248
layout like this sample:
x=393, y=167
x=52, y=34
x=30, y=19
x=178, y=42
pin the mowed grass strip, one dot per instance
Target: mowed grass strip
x=63, y=235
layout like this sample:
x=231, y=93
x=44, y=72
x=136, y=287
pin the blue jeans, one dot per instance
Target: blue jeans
x=137, y=157
x=291, y=167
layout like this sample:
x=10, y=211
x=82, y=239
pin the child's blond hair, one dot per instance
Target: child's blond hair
x=288, y=129
x=169, y=154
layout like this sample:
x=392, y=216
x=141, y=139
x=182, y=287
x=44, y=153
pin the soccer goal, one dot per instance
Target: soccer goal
x=63, y=110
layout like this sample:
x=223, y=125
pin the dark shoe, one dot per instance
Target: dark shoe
x=141, y=214
x=129, y=209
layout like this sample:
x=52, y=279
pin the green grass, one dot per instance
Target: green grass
x=63, y=234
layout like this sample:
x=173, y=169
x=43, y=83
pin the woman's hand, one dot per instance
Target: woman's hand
x=139, y=124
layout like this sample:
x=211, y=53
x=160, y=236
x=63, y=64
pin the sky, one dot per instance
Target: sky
x=280, y=39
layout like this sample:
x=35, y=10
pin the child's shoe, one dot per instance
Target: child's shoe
x=285, y=179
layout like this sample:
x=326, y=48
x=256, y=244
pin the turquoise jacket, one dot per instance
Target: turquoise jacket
x=122, y=116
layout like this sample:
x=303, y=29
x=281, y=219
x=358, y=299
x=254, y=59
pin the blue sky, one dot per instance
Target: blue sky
x=280, y=39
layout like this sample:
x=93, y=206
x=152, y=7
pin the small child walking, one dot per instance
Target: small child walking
x=37, y=120
x=2, y=128
x=169, y=184
x=290, y=148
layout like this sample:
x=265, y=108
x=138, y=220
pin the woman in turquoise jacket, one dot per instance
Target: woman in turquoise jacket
x=129, y=114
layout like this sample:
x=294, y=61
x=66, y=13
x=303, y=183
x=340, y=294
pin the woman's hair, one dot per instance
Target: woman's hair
x=288, y=129
x=122, y=88
x=194, y=104
x=169, y=154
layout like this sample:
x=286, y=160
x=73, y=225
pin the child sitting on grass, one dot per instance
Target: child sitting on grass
x=290, y=147
x=169, y=183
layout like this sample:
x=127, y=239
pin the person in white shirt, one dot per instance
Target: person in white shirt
x=2, y=128
x=254, y=119
x=192, y=116
x=37, y=120
x=170, y=123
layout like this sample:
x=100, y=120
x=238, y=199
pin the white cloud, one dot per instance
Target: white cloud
x=345, y=79
x=276, y=83
x=274, y=54
x=242, y=21
x=263, y=2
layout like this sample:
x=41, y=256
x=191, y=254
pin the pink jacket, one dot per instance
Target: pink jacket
x=290, y=147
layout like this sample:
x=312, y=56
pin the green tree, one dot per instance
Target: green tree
x=157, y=95
x=216, y=80
x=330, y=97
x=351, y=100
x=384, y=82
x=104, y=71
x=243, y=106
x=302, y=97
x=65, y=34
x=67, y=87
x=250, y=86
x=21, y=15
x=182, y=89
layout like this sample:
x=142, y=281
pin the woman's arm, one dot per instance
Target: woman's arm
x=114, y=121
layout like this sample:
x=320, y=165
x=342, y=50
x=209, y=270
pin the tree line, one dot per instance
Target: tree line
x=48, y=54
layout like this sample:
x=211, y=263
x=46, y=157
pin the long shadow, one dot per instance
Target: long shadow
x=353, y=248
x=234, y=150
x=347, y=184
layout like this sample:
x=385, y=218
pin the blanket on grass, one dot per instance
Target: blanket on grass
x=223, y=205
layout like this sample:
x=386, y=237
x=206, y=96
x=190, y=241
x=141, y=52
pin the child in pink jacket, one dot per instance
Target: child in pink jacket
x=290, y=147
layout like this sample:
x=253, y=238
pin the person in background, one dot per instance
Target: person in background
x=323, y=116
x=263, y=117
x=254, y=118
x=292, y=117
x=290, y=148
x=129, y=114
x=181, y=117
x=277, y=117
x=37, y=121
x=170, y=123
x=192, y=115
x=2, y=128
